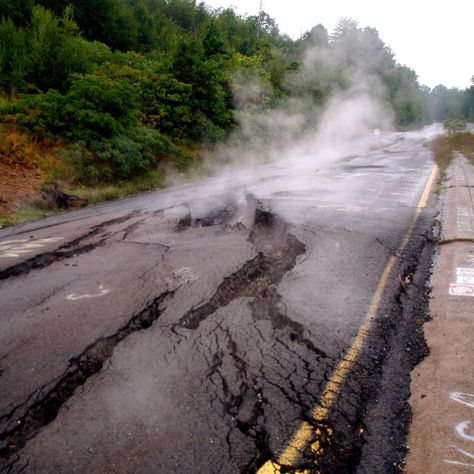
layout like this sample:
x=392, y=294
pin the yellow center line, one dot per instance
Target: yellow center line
x=320, y=412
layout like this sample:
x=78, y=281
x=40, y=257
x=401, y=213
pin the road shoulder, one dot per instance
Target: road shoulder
x=441, y=437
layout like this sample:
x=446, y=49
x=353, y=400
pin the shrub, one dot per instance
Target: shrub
x=444, y=146
x=45, y=53
x=454, y=125
x=101, y=115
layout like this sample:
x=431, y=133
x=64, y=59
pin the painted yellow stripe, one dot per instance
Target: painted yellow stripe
x=320, y=412
x=429, y=185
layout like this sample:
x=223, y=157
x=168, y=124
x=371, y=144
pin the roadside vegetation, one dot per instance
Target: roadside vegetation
x=100, y=99
x=445, y=146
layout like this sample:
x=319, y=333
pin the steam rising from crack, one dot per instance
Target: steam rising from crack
x=349, y=123
x=305, y=129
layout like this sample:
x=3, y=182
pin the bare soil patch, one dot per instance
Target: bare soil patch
x=18, y=185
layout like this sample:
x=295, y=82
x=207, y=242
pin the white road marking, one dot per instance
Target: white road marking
x=463, y=271
x=186, y=274
x=75, y=297
x=448, y=461
x=464, y=398
x=466, y=453
x=456, y=289
x=465, y=280
x=14, y=248
x=460, y=430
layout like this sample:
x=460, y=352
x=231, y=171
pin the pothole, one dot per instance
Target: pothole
x=216, y=217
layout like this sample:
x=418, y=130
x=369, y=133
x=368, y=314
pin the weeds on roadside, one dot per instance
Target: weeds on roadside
x=105, y=192
x=444, y=147
x=19, y=148
x=46, y=158
x=24, y=214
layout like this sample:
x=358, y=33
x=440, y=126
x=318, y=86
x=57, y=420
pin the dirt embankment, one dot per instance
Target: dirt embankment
x=29, y=168
x=18, y=185
x=26, y=163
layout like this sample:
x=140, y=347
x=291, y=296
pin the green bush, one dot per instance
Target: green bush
x=13, y=57
x=454, y=125
x=100, y=115
x=95, y=107
x=123, y=156
x=45, y=53
x=162, y=100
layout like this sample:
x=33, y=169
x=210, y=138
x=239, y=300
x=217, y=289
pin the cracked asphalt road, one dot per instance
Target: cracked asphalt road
x=194, y=329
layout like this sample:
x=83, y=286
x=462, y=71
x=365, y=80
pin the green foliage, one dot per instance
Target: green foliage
x=251, y=84
x=100, y=116
x=94, y=107
x=209, y=98
x=467, y=108
x=56, y=50
x=45, y=53
x=241, y=35
x=454, y=125
x=444, y=103
x=123, y=156
x=127, y=82
x=444, y=146
x=404, y=93
x=13, y=57
x=19, y=11
x=108, y=21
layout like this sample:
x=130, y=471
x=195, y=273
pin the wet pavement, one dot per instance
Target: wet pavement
x=264, y=320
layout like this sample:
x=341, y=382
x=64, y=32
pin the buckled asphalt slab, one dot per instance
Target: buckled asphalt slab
x=441, y=438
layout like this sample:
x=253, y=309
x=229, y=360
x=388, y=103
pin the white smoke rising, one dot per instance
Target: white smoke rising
x=345, y=125
x=307, y=130
x=302, y=131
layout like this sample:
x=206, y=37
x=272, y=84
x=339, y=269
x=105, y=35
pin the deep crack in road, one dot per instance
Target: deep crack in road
x=196, y=329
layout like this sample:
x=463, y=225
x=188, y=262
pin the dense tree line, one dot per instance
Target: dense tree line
x=127, y=83
x=443, y=103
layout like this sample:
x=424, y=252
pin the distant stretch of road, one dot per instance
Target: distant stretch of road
x=264, y=320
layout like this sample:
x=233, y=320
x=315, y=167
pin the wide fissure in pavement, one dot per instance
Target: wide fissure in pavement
x=388, y=416
x=347, y=442
x=277, y=254
x=68, y=250
x=80, y=368
x=367, y=428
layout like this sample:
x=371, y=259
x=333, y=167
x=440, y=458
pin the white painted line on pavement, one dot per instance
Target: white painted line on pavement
x=75, y=297
x=14, y=248
x=456, y=289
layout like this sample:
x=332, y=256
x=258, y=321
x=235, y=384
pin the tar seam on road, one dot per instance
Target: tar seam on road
x=320, y=412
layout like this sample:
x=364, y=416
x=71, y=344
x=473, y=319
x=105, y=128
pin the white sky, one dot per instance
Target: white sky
x=433, y=37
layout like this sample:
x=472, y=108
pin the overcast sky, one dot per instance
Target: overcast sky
x=435, y=38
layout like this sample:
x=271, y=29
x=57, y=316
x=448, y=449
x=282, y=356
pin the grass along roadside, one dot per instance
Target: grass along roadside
x=105, y=192
x=29, y=166
x=23, y=214
x=444, y=147
x=37, y=209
